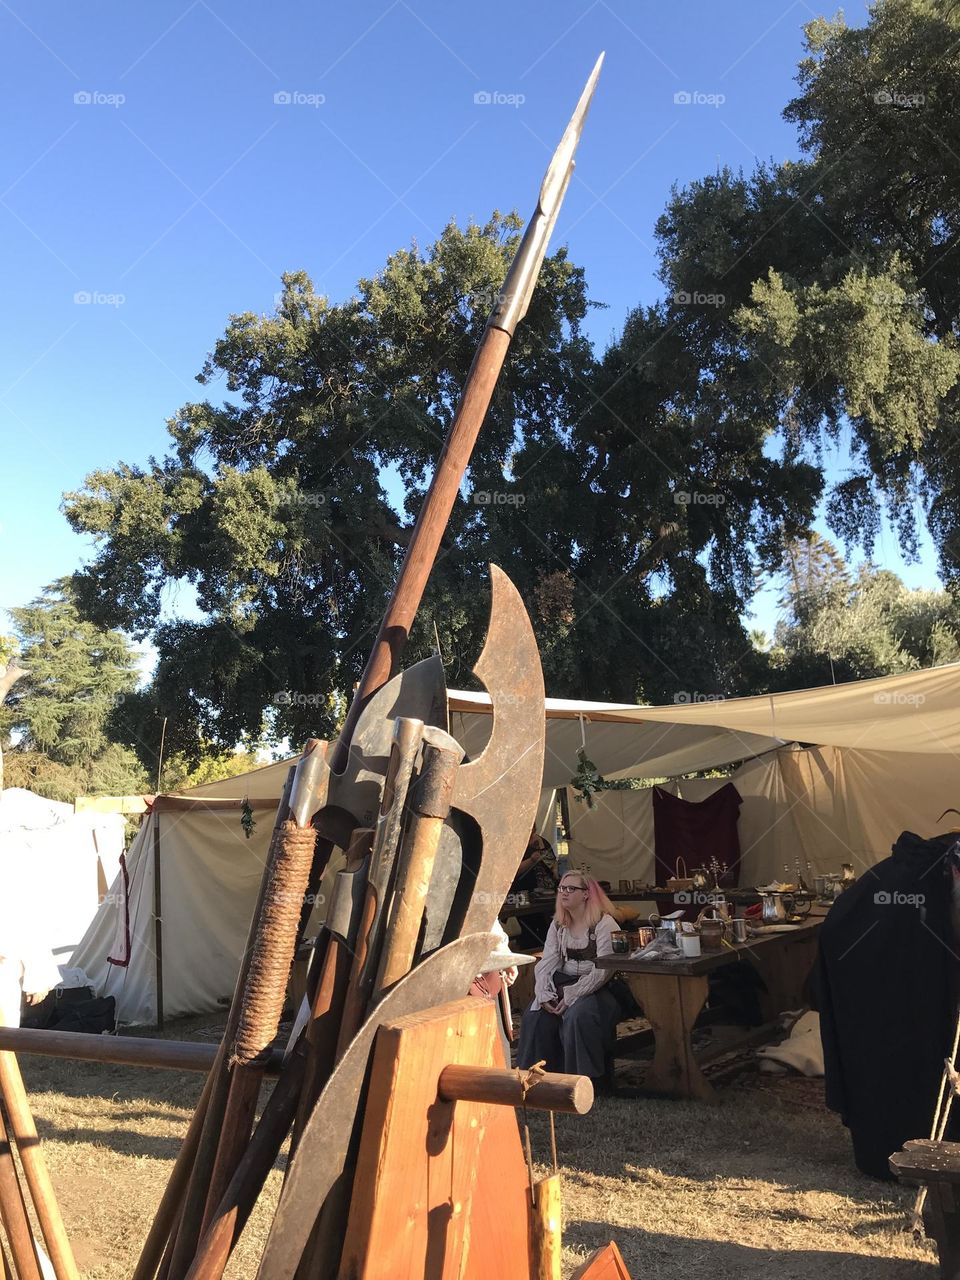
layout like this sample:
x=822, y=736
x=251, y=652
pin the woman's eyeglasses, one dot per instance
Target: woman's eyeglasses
x=573, y=888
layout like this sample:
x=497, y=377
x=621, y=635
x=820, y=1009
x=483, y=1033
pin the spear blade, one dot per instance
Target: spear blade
x=514, y=297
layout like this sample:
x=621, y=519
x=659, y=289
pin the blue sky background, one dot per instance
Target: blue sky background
x=147, y=164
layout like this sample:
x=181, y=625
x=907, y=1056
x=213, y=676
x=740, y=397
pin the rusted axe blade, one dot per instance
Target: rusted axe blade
x=321, y=1156
x=351, y=798
x=500, y=790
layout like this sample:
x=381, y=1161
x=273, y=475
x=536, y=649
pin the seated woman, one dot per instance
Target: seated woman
x=572, y=1022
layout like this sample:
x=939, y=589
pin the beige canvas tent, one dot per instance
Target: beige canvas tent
x=879, y=756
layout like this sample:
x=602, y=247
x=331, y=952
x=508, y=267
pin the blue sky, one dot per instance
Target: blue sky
x=167, y=161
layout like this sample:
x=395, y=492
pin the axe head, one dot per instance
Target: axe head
x=496, y=795
x=352, y=798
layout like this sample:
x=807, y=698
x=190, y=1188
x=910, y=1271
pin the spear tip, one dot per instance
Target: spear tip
x=561, y=164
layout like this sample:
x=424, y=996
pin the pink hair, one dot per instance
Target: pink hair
x=598, y=904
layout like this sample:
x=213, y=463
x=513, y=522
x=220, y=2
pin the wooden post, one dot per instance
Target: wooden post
x=35, y=1167
x=545, y=1230
x=157, y=918
x=13, y=1213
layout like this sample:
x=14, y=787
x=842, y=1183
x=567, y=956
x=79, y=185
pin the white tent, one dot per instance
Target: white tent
x=55, y=865
x=882, y=757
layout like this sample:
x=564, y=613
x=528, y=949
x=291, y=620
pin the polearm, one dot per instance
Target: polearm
x=510, y=308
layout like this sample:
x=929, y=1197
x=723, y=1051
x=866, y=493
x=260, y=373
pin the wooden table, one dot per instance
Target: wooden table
x=672, y=994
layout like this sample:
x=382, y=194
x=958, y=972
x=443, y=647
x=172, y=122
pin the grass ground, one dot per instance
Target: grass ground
x=761, y=1185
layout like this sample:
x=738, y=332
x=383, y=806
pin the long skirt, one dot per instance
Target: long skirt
x=577, y=1041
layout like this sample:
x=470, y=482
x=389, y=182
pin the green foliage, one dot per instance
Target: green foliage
x=180, y=772
x=839, y=627
x=58, y=717
x=633, y=496
x=840, y=274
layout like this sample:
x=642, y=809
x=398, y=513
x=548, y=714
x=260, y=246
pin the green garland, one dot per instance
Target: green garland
x=246, y=818
x=588, y=780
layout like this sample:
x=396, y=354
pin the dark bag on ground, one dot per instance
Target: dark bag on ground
x=93, y=1016
x=72, y=1009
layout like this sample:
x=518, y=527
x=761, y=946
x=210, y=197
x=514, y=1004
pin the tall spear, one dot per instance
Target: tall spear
x=510, y=308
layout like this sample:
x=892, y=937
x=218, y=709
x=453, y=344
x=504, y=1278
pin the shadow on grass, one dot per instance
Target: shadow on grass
x=678, y=1258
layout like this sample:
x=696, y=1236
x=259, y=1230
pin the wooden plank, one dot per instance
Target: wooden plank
x=926, y=1161
x=420, y=1163
x=604, y=1264
x=111, y=804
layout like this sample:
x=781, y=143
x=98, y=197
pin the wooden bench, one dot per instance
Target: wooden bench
x=936, y=1166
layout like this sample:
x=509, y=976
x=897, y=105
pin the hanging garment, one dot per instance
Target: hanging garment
x=885, y=982
x=697, y=832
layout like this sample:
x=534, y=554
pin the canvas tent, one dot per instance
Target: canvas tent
x=55, y=866
x=881, y=756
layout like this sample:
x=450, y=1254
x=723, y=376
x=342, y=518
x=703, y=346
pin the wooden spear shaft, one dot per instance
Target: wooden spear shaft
x=35, y=1168
x=13, y=1213
x=429, y=528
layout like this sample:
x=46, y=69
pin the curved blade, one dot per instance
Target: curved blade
x=500, y=790
x=352, y=798
x=320, y=1157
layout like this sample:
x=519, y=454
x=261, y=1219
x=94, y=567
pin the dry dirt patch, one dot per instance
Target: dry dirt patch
x=760, y=1186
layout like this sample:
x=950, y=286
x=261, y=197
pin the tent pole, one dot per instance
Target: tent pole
x=157, y=919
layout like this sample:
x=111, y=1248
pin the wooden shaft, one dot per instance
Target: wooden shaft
x=195, y=1195
x=237, y=1123
x=428, y=531
x=35, y=1168
x=545, y=1230
x=131, y=1051
x=166, y=1218
x=353, y=1007
x=500, y=1087
x=420, y=848
x=13, y=1213
x=231, y=1214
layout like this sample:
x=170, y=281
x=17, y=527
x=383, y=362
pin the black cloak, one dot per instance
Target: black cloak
x=886, y=987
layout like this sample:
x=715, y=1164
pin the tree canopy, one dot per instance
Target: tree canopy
x=56, y=722
x=634, y=495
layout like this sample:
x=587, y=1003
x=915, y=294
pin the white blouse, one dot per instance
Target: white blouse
x=590, y=978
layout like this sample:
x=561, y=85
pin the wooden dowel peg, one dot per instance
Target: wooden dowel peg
x=500, y=1087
